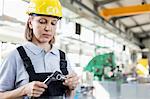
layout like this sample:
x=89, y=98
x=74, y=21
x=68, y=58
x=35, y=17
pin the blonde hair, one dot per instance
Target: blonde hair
x=29, y=34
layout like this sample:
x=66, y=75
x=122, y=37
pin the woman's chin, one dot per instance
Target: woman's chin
x=44, y=41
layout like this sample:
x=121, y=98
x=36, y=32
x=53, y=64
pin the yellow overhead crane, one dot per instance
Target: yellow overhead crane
x=108, y=13
x=142, y=68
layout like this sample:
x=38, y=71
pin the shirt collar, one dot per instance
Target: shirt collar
x=54, y=51
x=33, y=48
x=37, y=50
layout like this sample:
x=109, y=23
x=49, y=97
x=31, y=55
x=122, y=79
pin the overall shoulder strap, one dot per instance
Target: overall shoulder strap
x=63, y=63
x=26, y=60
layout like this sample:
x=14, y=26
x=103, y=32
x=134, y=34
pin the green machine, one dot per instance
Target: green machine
x=98, y=64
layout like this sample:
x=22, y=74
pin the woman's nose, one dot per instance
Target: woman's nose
x=48, y=27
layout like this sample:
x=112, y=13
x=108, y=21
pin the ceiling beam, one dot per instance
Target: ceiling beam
x=143, y=38
x=108, y=13
x=138, y=25
x=122, y=17
x=100, y=2
x=147, y=32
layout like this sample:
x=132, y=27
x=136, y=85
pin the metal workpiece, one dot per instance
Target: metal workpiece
x=54, y=77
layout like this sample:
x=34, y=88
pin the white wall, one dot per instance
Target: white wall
x=147, y=43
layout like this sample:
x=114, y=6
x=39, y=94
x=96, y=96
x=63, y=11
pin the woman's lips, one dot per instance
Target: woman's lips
x=47, y=35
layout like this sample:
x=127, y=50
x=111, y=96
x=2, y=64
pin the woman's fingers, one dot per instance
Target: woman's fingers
x=71, y=81
x=40, y=84
x=37, y=92
x=35, y=88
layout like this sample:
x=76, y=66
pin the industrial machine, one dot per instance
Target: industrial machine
x=102, y=66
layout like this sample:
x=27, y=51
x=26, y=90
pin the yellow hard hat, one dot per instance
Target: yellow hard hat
x=45, y=7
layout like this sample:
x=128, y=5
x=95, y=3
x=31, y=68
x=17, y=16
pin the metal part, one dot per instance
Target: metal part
x=54, y=77
x=103, y=2
x=48, y=79
x=61, y=77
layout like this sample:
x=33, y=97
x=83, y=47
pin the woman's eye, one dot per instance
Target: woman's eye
x=42, y=21
x=53, y=23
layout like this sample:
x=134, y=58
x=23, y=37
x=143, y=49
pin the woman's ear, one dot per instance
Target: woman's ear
x=30, y=23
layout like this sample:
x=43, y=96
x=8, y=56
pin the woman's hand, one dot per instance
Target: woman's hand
x=71, y=81
x=35, y=88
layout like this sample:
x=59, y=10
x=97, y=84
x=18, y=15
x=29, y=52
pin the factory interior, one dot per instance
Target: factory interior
x=106, y=41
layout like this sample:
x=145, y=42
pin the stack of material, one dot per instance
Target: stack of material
x=143, y=79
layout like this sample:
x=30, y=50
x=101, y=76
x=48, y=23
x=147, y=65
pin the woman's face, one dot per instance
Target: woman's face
x=43, y=27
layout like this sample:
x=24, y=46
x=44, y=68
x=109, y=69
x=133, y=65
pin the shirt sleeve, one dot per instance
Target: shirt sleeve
x=8, y=73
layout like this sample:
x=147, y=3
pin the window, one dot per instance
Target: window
x=66, y=27
x=16, y=9
x=87, y=35
x=1, y=7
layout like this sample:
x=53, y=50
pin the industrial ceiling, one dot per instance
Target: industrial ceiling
x=133, y=15
x=129, y=19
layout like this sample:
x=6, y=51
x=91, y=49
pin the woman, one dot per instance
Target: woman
x=24, y=71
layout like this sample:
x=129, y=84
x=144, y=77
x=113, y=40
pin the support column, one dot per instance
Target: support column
x=1, y=7
x=0, y=52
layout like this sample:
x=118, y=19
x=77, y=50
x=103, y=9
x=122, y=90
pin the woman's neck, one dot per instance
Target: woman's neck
x=46, y=46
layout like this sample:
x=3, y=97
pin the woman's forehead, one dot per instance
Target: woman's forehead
x=46, y=17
